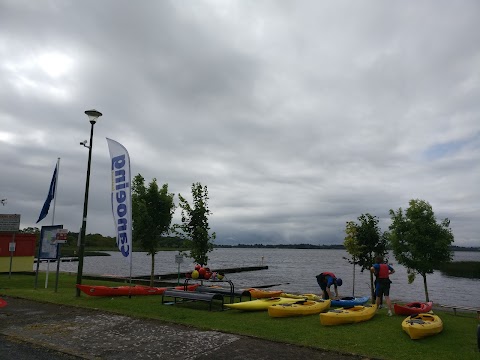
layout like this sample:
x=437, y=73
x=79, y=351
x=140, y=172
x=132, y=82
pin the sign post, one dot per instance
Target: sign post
x=10, y=223
x=178, y=260
x=61, y=238
x=47, y=247
x=11, y=247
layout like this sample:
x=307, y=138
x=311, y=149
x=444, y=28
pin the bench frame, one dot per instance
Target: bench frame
x=455, y=308
x=192, y=295
x=235, y=294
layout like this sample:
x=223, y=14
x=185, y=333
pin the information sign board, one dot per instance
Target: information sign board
x=62, y=235
x=9, y=222
x=179, y=259
x=48, y=247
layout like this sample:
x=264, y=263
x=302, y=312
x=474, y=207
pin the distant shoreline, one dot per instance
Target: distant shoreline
x=323, y=247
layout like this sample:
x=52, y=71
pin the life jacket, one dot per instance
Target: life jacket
x=324, y=275
x=383, y=271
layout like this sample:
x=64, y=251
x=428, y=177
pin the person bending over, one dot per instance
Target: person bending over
x=325, y=280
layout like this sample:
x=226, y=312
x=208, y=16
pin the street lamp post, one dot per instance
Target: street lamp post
x=93, y=115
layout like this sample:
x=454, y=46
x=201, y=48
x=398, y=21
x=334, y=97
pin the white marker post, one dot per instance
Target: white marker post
x=178, y=260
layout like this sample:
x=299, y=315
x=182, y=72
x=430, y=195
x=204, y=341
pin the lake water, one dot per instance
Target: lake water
x=295, y=271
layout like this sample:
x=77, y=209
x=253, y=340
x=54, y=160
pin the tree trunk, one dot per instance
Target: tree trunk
x=478, y=337
x=425, y=286
x=353, y=286
x=152, y=272
x=372, y=287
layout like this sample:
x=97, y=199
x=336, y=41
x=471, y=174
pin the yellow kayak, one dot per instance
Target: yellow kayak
x=418, y=326
x=313, y=297
x=348, y=315
x=260, y=304
x=299, y=308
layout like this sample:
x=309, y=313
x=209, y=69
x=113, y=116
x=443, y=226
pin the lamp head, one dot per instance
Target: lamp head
x=93, y=115
x=84, y=143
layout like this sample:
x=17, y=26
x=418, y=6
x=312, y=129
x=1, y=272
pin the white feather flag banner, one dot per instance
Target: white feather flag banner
x=121, y=197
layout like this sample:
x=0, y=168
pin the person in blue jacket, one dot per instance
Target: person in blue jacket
x=327, y=279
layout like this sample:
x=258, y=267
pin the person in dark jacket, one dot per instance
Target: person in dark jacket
x=382, y=272
x=327, y=279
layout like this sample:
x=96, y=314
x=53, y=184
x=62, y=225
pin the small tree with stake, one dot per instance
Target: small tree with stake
x=418, y=241
x=195, y=228
x=352, y=247
x=364, y=242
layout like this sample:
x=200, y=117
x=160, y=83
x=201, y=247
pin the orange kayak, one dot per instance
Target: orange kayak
x=191, y=287
x=262, y=294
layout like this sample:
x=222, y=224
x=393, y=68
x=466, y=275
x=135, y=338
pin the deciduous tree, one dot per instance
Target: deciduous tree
x=30, y=230
x=153, y=208
x=418, y=241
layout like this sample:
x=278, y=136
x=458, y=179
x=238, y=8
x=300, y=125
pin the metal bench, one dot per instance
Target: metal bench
x=455, y=308
x=192, y=295
x=226, y=292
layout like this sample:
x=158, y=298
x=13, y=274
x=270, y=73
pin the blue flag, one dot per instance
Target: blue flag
x=50, y=196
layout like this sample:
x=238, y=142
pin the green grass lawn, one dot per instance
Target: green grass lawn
x=381, y=337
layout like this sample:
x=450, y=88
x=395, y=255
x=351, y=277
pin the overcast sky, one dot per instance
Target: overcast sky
x=297, y=115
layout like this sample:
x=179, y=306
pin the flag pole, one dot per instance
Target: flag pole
x=59, y=246
x=44, y=213
x=131, y=242
x=53, y=220
x=131, y=260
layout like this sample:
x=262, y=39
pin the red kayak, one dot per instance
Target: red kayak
x=413, y=308
x=100, y=290
x=2, y=303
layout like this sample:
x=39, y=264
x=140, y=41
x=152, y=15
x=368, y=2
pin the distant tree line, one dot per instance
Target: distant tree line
x=101, y=242
x=464, y=269
x=283, y=246
x=461, y=248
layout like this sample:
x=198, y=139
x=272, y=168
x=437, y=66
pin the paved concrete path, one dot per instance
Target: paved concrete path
x=90, y=334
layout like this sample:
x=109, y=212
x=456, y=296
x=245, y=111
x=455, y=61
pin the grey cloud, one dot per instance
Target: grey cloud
x=298, y=116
